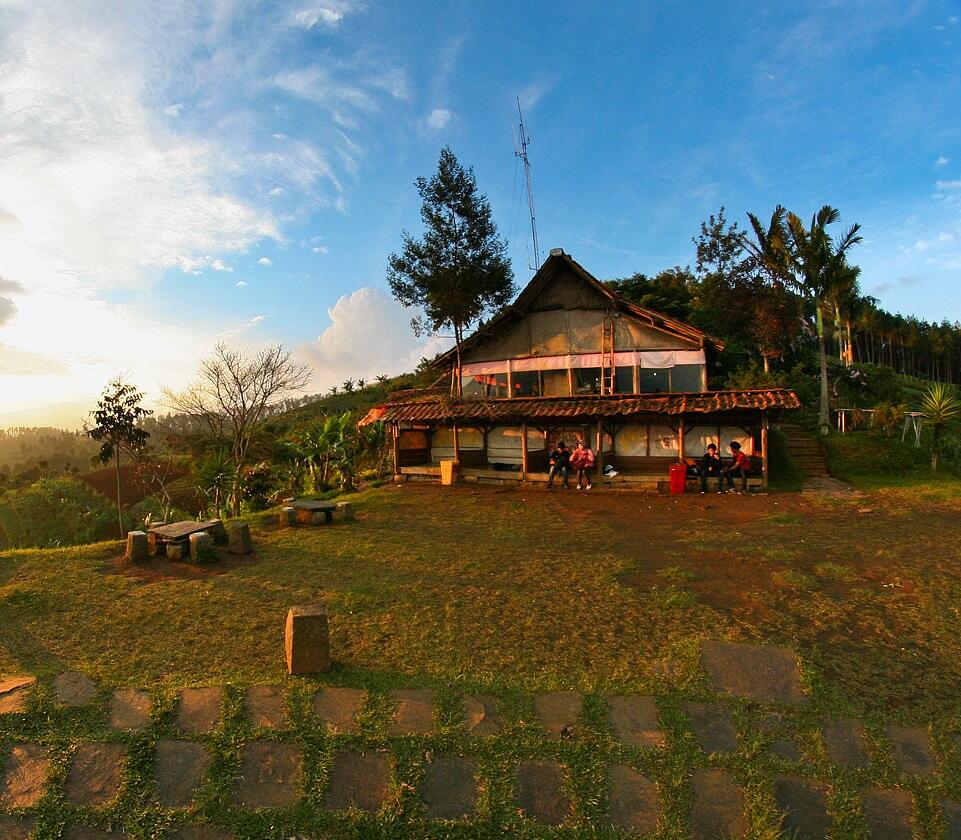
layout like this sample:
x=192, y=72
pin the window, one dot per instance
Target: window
x=655, y=380
x=527, y=383
x=587, y=380
x=483, y=385
x=554, y=383
x=663, y=441
x=686, y=378
x=624, y=380
x=631, y=441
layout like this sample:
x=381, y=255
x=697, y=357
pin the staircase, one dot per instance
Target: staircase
x=805, y=450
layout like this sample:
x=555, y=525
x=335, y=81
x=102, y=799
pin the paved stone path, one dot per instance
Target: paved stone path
x=271, y=771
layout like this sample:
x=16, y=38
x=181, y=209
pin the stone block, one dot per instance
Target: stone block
x=271, y=775
x=202, y=832
x=346, y=510
x=13, y=694
x=319, y=517
x=887, y=813
x=238, y=538
x=181, y=767
x=288, y=517
x=201, y=547
x=633, y=804
x=415, y=712
x=338, y=708
x=559, y=712
x=481, y=715
x=540, y=788
x=218, y=532
x=265, y=706
x=713, y=728
x=912, y=750
x=137, y=548
x=449, y=790
x=718, y=807
x=358, y=780
x=845, y=743
x=757, y=672
x=307, y=643
x=951, y=811
x=25, y=776
x=95, y=774
x=177, y=550
x=73, y=689
x=130, y=709
x=16, y=828
x=634, y=720
x=803, y=804
x=199, y=709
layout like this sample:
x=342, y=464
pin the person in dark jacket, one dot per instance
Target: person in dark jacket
x=740, y=466
x=560, y=465
x=710, y=467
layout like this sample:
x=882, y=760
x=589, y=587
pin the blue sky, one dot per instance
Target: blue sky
x=240, y=171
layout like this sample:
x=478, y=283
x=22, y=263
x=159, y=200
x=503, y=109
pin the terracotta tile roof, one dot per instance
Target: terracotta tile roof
x=435, y=404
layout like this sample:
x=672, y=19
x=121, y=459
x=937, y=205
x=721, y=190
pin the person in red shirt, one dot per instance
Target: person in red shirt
x=741, y=466
x=582, y=460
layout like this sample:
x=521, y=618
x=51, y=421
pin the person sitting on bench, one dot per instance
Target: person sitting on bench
x=741, y=466
x=710, y=466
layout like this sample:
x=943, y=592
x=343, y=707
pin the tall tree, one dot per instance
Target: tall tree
x=233, y=397
x=116, y=427
x=458, y=272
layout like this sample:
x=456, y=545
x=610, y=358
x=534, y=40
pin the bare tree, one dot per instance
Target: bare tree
x=232, y=398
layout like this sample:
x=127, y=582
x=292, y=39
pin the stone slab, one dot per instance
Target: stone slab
x=887, y=813
x=13, y=694
x=482, y=716
x=540, y=790
x=136, y=547
x=764, y=673
x=307, y=640
x=634, y=721
x=414, y=714
x=911, y=748
x=201, y=547
x=265, y=706
x=16, y=828
x=559, y=712
x=951, y=811
x=449, y=788
x=845, y=743
x=130, y=709
x=180, y=770
x=238, y=538
x=199, y=709
x=633, y=804
x=202, y=832
x=339, y=708
x=95, y=774
x=718, y=806
x=713, y=728
x=803, y=804
x=25, y=775
x=271, y=775
x=786, y=750
x=91, y=832
x=73, y=689
x=358, y=780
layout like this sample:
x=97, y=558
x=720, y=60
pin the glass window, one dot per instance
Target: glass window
x=554, y=383
x=696, y=439
x=631, y=441
x=655, y=380
x=587, y=380
x=663, y=441
x=484, y=385
x=624, y=380
x=686, y=378
x=527, y=383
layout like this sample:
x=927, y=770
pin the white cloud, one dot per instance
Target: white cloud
x=948, y=185
x=327, y=13
x=174, y=110
x=439, y=119
x=369, y=334
x=321, y=249
x=264, y=261
x=941, y=161
x=220, y=265
x=276, y=191
x=240, y=284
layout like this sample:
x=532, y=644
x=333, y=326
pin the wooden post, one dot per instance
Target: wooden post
x=764, y=449
x=456, y=443
x=599, y=450
x=523, y=451
x=395, y=434
x=570, y=382
x=680, y=439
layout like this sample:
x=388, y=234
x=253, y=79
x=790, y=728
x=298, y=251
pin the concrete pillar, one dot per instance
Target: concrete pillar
x=137, y=551
x=238, y=538
x=345, y=509
x=307, y=640
x=201, y=547
x=288, y=517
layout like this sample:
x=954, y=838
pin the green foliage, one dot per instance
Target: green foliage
x=864, y=385
x=53, y=512
x=216, y=477
x=866, y=459
x=670, y=291
x=459, y=270
x=942, y=410
x=887, y=419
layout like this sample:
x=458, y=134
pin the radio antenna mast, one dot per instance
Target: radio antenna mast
x=520, y=150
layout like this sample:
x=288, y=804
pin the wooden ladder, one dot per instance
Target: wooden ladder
x=608, y=365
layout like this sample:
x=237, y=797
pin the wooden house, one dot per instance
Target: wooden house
x=568, y=360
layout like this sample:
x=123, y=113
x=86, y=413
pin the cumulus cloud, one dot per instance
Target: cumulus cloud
x=320, y=249
x=264, y=261
x=220, y=265
x=7, y=307
x=240, y=284
x=439, y=119
x=941, y=161
x=369, y=334
x=327, y=13
x=948, y=185
x=174, y=110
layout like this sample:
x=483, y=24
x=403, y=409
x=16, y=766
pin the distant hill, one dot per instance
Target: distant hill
x=64, y=415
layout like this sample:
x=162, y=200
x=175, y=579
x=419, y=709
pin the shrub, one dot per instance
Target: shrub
x=887, y=419
x=54, y=512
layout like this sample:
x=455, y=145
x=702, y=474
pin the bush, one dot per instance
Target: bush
x=54, y=512
x=887, y=419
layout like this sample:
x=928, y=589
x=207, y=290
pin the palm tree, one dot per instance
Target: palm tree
x=820, y=265
x=348, y=386
x=942, y=409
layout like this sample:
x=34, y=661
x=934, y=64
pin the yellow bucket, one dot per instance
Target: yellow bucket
x=448, y=472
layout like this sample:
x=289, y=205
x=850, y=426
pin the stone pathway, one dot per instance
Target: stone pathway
x=273, y=769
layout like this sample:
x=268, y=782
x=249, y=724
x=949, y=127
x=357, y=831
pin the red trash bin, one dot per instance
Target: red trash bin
x=678, y=474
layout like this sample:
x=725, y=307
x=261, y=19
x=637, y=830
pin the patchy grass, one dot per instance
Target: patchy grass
x=507, y=592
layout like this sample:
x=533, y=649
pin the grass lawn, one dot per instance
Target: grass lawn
x=509, y=592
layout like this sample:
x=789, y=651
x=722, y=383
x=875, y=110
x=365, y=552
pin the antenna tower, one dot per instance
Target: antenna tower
x=520, y=150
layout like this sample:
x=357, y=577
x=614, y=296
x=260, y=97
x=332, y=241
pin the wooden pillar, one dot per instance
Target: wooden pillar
x=393, y=446
x=764, y=449
x=456, y=443
x=599, y=450
x=680, y=439
x=570, y=382
x=523, y=451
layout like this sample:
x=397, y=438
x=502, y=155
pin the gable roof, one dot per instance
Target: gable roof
x=555, y=263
